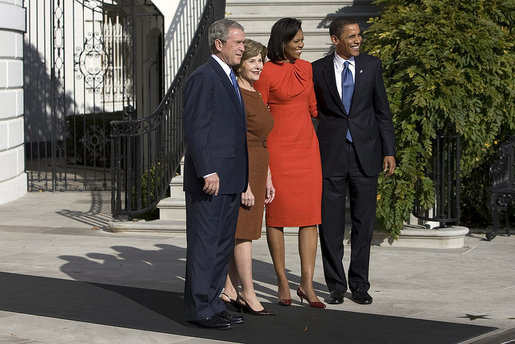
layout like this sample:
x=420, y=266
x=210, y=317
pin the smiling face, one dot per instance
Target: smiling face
x=347, y=45
x=232, y=49
x=251, y=69
x=293, y=48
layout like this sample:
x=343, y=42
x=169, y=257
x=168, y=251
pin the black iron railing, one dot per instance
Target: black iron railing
x=145, y=153
x=445, y=173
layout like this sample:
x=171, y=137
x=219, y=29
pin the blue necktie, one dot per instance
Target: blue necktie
x=347, y=91
x=235, y=85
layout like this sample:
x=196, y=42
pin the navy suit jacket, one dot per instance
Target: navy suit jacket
x=369, y=120
x=215, y=127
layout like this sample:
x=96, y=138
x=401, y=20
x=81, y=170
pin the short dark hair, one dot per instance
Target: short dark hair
x=282, y=32
x=337, y=24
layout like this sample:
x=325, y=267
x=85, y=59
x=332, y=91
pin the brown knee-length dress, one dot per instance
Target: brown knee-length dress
x=259, y=123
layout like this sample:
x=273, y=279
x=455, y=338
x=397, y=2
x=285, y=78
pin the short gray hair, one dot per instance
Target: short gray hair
x=220, y=30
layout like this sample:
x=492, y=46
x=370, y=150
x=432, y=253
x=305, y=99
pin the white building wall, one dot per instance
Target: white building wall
x=13, y=180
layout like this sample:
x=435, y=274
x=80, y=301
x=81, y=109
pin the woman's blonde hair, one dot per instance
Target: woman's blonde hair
x=252, y=48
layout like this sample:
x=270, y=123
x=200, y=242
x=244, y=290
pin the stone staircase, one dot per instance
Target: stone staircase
x=257, y=17
x=173, y=207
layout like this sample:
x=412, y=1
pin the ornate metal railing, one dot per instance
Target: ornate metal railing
x=145, y=153
x=445, y=173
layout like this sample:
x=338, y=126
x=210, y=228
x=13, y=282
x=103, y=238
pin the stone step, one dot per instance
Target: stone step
x=294, y=9
x=176, y=190
x=172, y=208
x=410, y=237
x=313, y=41
x=167, y=226
x=155, y=226
x=258, y=17
x=417, y=237
x=246, y=3
x=319, y=24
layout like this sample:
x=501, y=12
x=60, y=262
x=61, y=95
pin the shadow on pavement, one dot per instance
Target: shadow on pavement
x=126, y=265
x=161, y=311
x=97, y=215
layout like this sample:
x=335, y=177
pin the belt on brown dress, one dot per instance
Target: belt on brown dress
x=257, y=143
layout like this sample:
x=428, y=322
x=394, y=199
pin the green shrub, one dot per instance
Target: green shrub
x=149, y=191
x=448, y=66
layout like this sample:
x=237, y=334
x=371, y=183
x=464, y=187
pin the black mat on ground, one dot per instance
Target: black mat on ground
x=161, y=311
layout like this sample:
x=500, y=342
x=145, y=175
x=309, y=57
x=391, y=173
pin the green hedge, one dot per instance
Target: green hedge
x=448, y=66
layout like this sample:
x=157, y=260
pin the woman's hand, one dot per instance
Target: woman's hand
x=270, y=190
x=247, y=198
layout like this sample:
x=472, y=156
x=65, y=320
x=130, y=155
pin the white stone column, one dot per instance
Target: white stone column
x=13, y=180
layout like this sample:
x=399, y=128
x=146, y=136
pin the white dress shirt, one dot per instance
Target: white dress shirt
x=224, y=66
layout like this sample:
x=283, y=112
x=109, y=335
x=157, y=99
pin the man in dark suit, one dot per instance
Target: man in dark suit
x=215, y=174
x=357, y=141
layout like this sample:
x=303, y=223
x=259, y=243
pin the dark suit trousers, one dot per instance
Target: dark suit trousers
x=210, y=227
x=363, y=193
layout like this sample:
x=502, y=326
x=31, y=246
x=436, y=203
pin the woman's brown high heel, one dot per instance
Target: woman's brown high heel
x=316, y=304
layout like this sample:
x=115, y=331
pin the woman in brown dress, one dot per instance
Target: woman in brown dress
x=260, y=189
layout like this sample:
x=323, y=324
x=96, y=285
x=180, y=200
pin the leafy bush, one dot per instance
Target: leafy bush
x=448, y=67
x=149, y=191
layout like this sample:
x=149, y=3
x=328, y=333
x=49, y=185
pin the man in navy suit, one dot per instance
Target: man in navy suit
x=215, y=174
x=357, y=141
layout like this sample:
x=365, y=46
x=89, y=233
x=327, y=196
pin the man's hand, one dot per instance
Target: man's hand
x=389, y=165
x=247, y=198
x=211, y=184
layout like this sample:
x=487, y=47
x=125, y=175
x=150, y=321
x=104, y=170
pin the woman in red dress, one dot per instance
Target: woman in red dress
x=286, y=85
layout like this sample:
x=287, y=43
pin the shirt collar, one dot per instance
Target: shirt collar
x=339, y=60
x=224, y=65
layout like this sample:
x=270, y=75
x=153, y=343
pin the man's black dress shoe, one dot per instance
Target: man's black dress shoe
x=362, y=297
x=336, y=297
x=212, y=322
x=233, y=319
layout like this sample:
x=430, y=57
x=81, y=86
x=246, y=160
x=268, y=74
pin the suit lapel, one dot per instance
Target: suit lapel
x=331, y=82
x=358, y=78
x=226, y=83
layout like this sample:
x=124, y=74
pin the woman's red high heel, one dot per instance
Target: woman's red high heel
x=284, y=302
x=316, y=304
